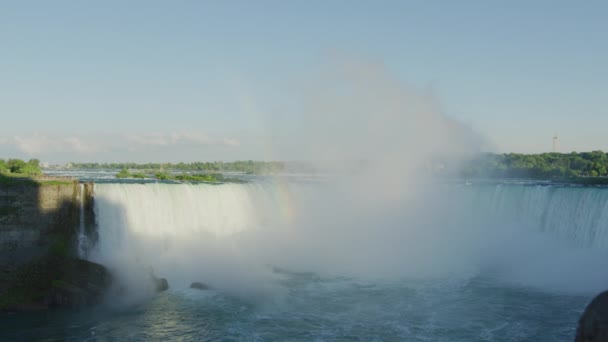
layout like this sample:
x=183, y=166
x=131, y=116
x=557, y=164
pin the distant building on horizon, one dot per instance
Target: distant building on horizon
x=555, y=143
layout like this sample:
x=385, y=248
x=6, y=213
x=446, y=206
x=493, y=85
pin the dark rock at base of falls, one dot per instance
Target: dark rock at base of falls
x=593, y=324
x=199, y=286
x=54, y=282
x=160, y=284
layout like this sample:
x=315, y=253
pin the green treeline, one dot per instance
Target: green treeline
x=19, y=167
x=587, y=167
x=542, y=166
x=573, y=165
x=249, y=166
x=196, y=177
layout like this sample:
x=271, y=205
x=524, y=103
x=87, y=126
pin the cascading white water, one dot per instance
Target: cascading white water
x=229, y=234
x=82, y=237
x=184, y=209
x=576, y=215
x=184, y=232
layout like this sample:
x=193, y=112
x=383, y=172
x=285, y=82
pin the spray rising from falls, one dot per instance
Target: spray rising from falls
x=228, y=235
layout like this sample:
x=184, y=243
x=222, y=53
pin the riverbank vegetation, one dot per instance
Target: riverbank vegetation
x=584, y=168
x=11, y=179
x=580, y=168
x=184, y=177
x=20, y=167
x=249, y=166
x=19, y=172
x=125, y=173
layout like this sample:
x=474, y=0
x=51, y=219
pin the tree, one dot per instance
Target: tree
x=18, y=166
x=15, y=165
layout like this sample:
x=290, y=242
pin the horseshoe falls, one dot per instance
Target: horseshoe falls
x=307, y=261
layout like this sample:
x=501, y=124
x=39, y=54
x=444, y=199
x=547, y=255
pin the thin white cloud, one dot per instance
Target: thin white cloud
x=231, y=142
x=170, y=139
x=77, y=145
x=150, y=139
x=40, y=144
x=197, y=139
x=34, y=144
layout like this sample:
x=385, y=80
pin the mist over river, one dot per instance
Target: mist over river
x=294, y=259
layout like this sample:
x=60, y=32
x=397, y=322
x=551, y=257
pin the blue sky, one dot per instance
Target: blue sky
x=200, y=80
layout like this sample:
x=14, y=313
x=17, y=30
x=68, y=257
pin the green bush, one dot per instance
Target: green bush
x=203, y=177
x=162, y=176
x=18, y=166
x=124, y=173
x=15, y=165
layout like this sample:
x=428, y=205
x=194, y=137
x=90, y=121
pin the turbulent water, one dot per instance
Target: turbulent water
x=488, y=262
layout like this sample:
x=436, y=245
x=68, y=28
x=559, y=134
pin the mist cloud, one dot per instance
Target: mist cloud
x=356, y=112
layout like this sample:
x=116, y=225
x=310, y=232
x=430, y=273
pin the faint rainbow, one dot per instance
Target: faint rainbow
x=285, y=199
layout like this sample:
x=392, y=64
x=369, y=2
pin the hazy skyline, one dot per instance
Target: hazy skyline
x=194, y=80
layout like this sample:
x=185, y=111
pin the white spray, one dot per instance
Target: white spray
x=387, y=219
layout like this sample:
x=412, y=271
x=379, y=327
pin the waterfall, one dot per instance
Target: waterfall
x=178, y=229
x=183, y=209
x=82, y=238
x=577, y=215
x=540, y=235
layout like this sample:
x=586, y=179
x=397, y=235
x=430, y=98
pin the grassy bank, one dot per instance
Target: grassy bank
x=18, y=179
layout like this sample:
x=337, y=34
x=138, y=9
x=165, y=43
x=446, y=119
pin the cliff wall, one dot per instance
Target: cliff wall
x=37, y=217
x=40, y=221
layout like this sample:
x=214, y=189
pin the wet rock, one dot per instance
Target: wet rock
x=593, y=324
x=160, y=284
x=199, y=286
x=64, y=294
x=55, y=281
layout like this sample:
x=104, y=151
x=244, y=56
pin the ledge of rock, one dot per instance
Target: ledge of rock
x=160, y=284
x=593, y=324
x=199, y=286
x=54, y=281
